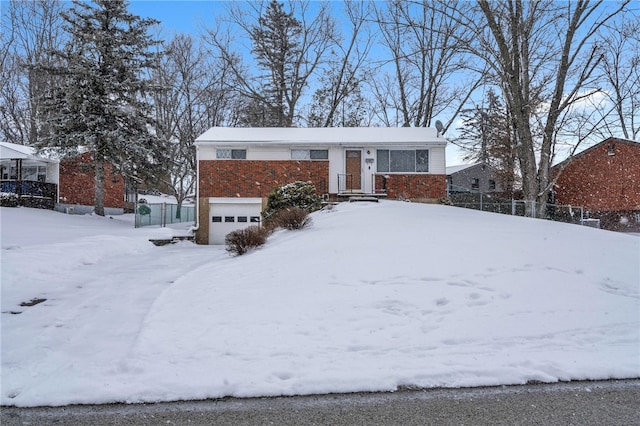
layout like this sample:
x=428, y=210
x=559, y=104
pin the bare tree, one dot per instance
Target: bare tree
x=621, y=71
x=32, y=30
x=287, y=48
x=190, y=97
x=339, y=101
x=430, y=66
x=544, y=55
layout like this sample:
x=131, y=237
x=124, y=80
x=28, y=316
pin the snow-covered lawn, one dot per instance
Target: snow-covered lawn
x=369, y=298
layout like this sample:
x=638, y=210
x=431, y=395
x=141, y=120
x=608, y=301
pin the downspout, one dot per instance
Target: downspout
x=195, y=228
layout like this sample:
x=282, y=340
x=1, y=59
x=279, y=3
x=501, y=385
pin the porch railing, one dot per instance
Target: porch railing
x=32, y=193
x=345, y=183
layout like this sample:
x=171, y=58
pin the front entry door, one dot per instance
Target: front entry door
x=354, y=169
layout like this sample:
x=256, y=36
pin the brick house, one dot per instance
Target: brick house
x=77, y=186
x=238, y=167
x=605, y=180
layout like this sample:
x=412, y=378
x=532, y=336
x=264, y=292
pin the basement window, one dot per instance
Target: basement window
x=231, y=154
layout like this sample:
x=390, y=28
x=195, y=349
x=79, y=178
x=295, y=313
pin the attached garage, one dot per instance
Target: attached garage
x=230, y=214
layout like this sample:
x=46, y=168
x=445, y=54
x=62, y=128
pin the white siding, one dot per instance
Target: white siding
x=336, y=166
x=268, y=153
x=437, y=161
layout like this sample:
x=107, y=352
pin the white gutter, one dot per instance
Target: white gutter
x=195, y=228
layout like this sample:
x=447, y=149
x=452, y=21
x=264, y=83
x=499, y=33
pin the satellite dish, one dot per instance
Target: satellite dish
x=439, y=127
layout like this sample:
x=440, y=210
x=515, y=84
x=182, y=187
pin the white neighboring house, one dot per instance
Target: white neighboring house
x=238, y=167
x=34, y=178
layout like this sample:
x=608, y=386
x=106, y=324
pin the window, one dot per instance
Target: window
x=242, y=218
x=229, y=219
x=403, y=160
x=231, y=154
x=309, y=154
x=216, y=219
x=492, y=184
x=475, y=183
x=255, y=219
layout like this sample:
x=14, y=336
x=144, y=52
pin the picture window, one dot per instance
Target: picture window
x=403, y=160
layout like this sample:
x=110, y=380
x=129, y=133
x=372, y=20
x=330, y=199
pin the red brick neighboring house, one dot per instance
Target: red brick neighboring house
x=605, y=180
x=239, y=167
x=77, y=185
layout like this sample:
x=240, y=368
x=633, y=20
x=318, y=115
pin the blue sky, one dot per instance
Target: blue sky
x=190, y=16
x=178, y=16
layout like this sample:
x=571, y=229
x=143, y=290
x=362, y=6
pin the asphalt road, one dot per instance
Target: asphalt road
x=615, y=402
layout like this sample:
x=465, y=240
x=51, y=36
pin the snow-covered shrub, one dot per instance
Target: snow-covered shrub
x=8, y=199
x=296, y=194
x=242, y=240
x=291, y=218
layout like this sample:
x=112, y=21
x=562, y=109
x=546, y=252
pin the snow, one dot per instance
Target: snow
x=321, y=136
x=371, y=297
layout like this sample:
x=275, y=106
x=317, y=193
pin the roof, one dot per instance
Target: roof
x=12, y=151
x=320, y=135
x=455, y=169
x=609, y=140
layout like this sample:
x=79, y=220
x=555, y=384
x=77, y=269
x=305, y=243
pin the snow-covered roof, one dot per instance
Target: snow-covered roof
x=12, y=151
x=455, y=169
x=321, y=135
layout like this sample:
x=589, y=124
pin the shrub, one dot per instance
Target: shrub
x=297, y=194
x=290, y=218
x=8, y=199
x=242, y=240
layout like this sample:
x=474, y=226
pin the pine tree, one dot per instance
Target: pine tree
x=487, y=137
x=277, y=48
x=101, y=105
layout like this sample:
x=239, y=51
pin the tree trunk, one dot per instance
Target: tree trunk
x=99, y=186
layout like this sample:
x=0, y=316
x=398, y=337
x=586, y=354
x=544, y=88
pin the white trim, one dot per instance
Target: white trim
x=324, y=136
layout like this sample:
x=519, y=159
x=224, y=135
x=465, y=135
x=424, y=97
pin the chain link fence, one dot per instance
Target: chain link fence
x=494, y=204
x=163, y=214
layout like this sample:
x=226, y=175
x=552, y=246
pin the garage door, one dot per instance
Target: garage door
x=227, y=215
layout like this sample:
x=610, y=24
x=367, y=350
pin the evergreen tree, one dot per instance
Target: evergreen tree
x=487, y=138
x=276, y=45
x=101, y=104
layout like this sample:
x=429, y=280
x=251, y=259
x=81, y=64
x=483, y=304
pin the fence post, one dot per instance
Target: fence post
x=163, y=219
